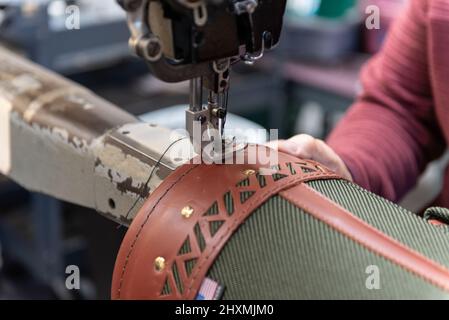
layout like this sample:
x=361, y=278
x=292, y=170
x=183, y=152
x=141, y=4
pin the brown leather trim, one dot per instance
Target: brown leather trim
x=159, y=230
x=345, y=222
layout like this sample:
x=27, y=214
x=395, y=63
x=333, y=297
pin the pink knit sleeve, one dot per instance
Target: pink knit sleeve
x=391, y=132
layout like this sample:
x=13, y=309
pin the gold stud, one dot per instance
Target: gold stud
x=187, y=212
x=159, y=264
x=249, y=172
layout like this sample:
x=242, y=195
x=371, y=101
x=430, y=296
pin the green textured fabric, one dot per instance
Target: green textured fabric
x=281, y=252
x=389, y=218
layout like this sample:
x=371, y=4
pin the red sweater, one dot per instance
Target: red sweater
x=401, y=120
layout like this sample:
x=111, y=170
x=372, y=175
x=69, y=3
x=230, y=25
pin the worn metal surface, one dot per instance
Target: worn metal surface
x=60, y=139
x=134, y=160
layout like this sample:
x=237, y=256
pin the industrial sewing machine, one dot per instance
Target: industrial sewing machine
x=199, y=40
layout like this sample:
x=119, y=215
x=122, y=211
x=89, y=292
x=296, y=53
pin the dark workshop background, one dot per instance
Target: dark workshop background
x=304, y=86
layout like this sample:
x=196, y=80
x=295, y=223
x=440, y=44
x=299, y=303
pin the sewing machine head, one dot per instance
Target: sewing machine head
x=199, y=40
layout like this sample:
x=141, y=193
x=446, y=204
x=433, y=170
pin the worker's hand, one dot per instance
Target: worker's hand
x=307, y=147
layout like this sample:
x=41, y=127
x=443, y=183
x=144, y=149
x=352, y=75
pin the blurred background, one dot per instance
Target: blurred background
x=304, y=86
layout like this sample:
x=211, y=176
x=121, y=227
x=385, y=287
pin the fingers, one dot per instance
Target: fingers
x=274, y=144
x=307, y=147
x=298, y=146
x=301, y=146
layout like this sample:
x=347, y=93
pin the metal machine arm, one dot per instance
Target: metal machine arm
x=60, y=139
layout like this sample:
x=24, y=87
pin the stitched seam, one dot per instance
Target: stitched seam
x=144, y=223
